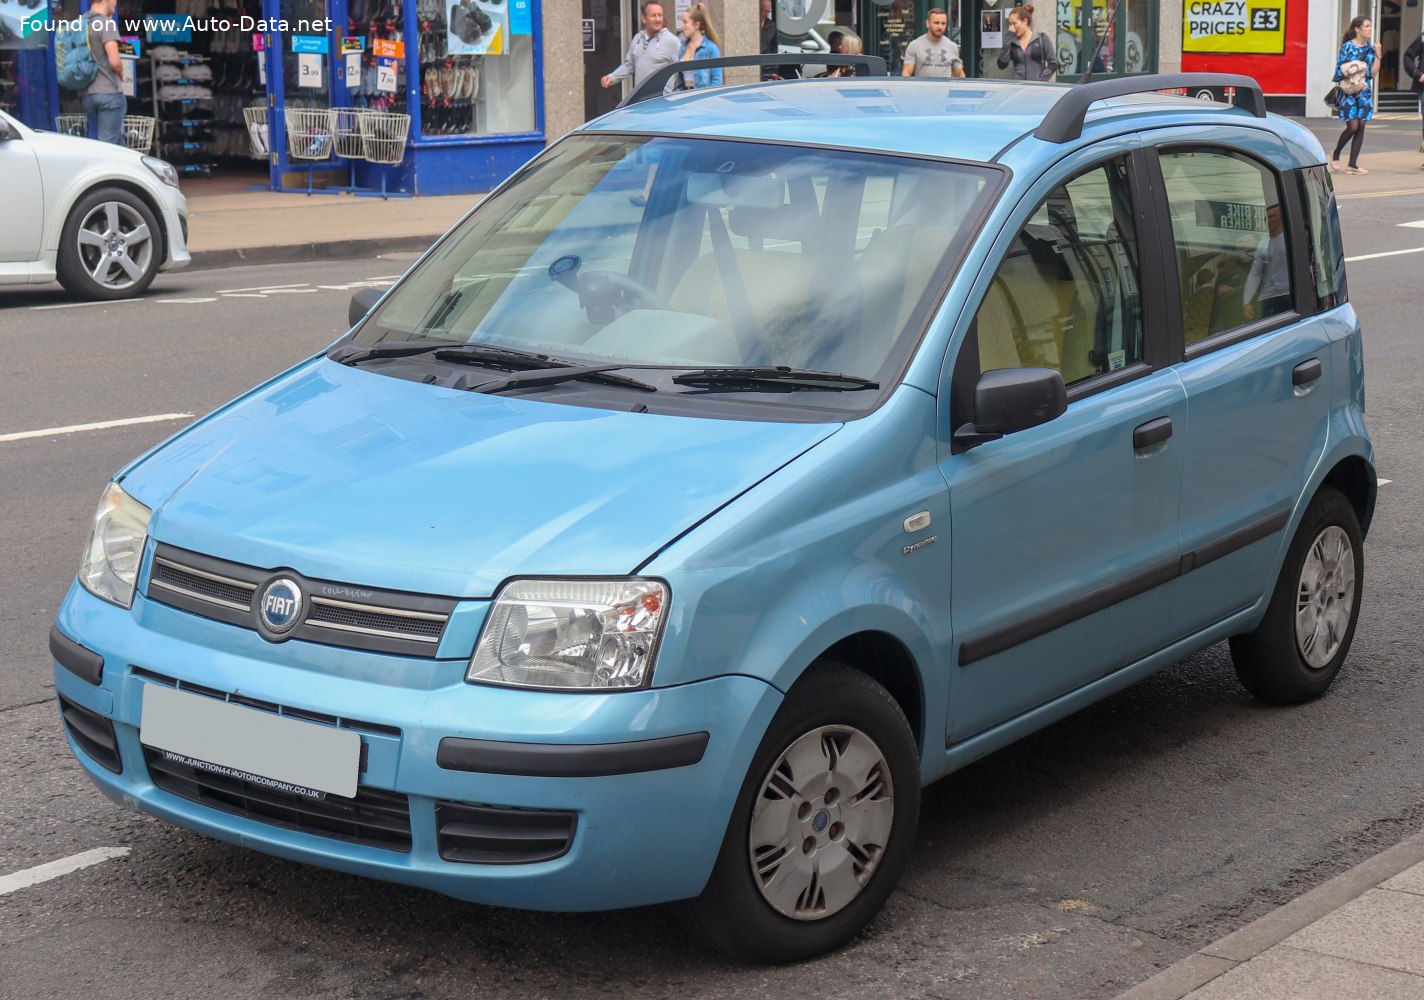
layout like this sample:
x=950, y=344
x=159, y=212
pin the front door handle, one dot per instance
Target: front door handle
x=1306, y=372
x=1152, y=432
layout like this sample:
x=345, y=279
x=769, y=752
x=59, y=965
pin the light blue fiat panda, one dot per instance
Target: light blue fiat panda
x=752, y=458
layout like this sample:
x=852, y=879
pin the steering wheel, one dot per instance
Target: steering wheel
x=602, y=292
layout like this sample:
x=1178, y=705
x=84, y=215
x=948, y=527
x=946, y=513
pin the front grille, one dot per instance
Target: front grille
x=374, y=818
x=493, y=836
x=382, y=621
x=92, y=733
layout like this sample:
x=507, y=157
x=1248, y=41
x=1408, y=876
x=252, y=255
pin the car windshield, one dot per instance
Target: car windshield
x=700, y=254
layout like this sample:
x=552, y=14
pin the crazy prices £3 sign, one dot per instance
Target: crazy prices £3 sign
x=1250, y=27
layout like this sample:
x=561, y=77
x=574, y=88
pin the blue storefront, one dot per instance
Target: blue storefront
x=461, y=80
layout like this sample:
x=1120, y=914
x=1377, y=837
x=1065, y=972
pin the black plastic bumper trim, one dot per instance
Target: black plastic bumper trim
x=570, y=760
x=82, y=663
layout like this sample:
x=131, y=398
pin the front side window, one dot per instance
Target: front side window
x=1233, y=257
x=672, y=254
x=1067, y=293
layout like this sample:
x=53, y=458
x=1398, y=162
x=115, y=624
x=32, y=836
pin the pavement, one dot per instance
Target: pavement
x=228, y=224
x=1356, y=936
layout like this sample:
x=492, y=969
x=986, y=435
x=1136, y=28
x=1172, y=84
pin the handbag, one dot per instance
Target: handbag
x=1352, y=77
x=1332, y=97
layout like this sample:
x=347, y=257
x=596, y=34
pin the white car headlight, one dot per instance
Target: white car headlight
x=572, y=634
x=111, y=559
x=162, y=169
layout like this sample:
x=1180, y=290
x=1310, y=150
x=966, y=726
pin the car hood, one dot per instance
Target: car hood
x=346, y=475
x=56, y=145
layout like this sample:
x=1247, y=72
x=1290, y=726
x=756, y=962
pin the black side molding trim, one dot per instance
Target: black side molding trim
x=570, y=760
x=1238, y=539
x=1001, y=639
x=82, y=663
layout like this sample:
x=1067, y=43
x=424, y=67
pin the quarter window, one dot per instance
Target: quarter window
x=1322, y=243
x=1067, y=293
x=1233, y=258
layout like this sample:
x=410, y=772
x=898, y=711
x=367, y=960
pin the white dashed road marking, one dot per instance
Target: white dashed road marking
x=186, y=302
x=85, y=305
x=1387, y=253
x=56, y=869
x=1383, y=482
x=104, y=425
x=1411, y=225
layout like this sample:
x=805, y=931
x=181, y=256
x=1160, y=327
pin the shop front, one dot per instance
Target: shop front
x=407, y=96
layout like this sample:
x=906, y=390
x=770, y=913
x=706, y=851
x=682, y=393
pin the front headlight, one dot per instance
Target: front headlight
x=162, y=169
x=111, y=559
x=579, y=634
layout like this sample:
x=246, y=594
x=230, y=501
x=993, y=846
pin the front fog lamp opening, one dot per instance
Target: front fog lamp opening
x=573, y=634
x=109, y=569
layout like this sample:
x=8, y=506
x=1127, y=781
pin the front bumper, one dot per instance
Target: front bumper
x=638, y=838
x=175, y=228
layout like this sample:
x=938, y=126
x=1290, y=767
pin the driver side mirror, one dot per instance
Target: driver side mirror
x=1013, y=399
x=361, y=304
x=7, y=133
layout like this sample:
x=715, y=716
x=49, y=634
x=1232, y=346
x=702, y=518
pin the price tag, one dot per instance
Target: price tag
x=309, y=73
x=129, y=78
x=261, y=69
x=386, y=77
x=353, y=71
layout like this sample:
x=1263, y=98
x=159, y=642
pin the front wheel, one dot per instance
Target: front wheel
x=822, y=828
x=1296, y=651
x=110, y=247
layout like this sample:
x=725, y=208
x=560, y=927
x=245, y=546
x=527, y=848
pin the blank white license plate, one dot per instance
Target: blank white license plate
x=287, y=754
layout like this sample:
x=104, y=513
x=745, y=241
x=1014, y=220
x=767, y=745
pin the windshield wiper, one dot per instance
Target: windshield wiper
x=785, y=379
x=350, y=354
x=553, y=376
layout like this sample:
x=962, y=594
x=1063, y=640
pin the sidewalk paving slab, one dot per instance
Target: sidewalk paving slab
x=1366, y=923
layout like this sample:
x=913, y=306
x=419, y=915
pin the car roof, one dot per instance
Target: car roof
x=961, y=119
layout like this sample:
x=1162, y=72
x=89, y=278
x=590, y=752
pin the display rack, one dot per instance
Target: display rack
x=138, y=129
x=181, y=85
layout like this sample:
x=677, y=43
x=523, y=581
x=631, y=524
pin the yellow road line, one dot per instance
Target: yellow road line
x=1379, y=194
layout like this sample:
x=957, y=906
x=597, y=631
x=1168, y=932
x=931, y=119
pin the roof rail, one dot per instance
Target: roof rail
x=653, y=85
x=1064, y=122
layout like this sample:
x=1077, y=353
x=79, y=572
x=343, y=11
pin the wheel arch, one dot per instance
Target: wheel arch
x=1355, y=478
x=885, y=659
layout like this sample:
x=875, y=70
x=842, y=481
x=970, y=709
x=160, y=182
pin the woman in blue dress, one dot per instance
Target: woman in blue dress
x=699, y=42
x=1356, y=109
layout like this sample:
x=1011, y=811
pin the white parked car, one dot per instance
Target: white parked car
x=100, y=218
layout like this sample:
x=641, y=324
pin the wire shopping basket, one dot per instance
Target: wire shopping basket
x=72, y=124
x=348, y=133
x=138, y=132
x=255, y=118
x=311, y=133
x=383, y=136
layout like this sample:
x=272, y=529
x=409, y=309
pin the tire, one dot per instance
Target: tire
x=111, y=246
x=1296, y=651
x=846, y=743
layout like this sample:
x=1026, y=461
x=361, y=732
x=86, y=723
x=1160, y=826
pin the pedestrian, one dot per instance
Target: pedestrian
x=1355, y=71
x=851, y=45
x=1031, y=53
x=103, y=100
x=932, y=54
x=771, y=45
x=700, y=42
x=650, y=50
x=1414, y=69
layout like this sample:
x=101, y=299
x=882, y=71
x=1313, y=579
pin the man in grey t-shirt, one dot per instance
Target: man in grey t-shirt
x=932, y=54
x=104, y=101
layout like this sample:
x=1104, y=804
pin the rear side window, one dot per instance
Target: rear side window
x=1233, y=257
x=1066, y=296
x=1324, y=251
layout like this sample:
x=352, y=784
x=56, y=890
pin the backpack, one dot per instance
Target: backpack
x=73, y=59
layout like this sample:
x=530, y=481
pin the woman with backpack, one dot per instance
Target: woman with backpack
x=1355, y=70
x=1031, y=52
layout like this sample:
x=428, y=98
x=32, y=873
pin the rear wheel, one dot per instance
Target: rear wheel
x=823, y=825
x=110, y=247
x=1297, y=650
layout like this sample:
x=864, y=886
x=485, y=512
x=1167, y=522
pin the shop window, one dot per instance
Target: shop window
x=476, y=73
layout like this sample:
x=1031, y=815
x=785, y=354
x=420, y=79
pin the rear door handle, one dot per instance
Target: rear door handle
x=1306, y=372
x=1152, y=432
